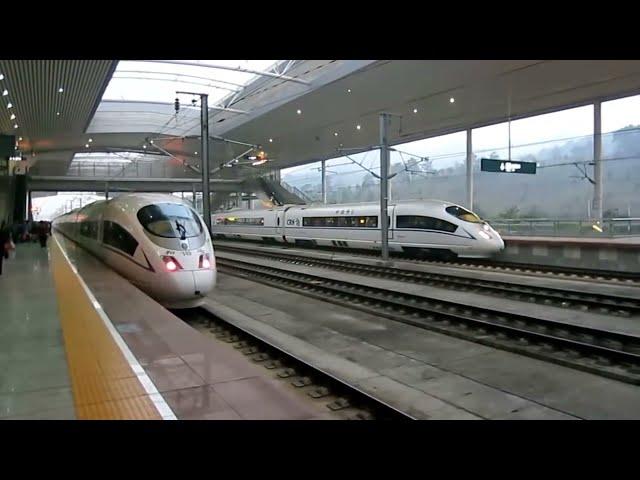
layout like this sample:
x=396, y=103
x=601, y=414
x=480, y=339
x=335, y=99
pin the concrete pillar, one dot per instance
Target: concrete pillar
x=384, y=184
x=597, y=162
x=469, y=170
x=324, y=182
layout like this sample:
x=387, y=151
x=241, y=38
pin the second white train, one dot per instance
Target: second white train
x=432, y=227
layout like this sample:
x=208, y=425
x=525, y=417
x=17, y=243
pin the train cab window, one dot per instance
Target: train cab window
x=119, y=238
x=170, y=220
x=424, y=223
x=463, y=214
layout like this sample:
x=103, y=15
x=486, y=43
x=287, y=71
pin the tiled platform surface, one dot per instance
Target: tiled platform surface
x=34, y=378
x=620, y=254
x=197, y=377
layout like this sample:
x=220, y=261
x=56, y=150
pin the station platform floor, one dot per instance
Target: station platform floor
x=619, y=241
x=77, y=341
x=34, y=376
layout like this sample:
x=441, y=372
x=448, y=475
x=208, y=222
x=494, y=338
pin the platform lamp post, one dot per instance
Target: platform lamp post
x=204, y=135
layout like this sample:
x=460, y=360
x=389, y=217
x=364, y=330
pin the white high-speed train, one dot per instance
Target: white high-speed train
x=432, y=227
x=158, y=242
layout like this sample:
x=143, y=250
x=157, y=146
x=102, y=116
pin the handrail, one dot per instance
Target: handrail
x=563, y=226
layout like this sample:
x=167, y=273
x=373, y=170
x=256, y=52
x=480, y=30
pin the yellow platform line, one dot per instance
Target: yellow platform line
x=103, y=381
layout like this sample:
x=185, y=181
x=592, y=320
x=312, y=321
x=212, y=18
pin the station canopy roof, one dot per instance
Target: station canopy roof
x=297, y=111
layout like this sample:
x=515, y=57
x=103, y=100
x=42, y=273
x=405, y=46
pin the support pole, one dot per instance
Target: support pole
x=597, y=162
x=206, y=200
x=324, y=182
x=29, y=207
x=469, y=170
x=193, y=196
x=106, y=190
x=384, y=184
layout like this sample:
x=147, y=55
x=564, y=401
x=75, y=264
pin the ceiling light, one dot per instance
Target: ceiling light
x=60, y=90
x=1, y=76
x=86, y=145
x=335, y=134
x=19, y=139
x=144, y=146
x=5, y=92
x=195, y=153
x=451, y=100
x=9, y=105
x=415, y=110
x=348, y=90
x=15, y=126
x=13, y=116
x=358, y=127
x=299, y=112
x=151, y=142
x=90, y=140
x=58, y=114
x=271, y=140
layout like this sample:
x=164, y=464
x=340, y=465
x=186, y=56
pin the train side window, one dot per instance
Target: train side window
x=117, y=237
x=371, y=222
x=89, y=229
x=424, y=223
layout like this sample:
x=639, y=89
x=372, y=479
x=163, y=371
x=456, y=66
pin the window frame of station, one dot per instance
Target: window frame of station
x=242, y=221
x=436, y=223
x=342, y=221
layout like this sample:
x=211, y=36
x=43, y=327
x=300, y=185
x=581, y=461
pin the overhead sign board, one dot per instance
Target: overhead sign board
x=506, y=166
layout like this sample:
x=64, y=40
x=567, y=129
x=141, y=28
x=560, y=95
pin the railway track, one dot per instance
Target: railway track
x=341, y=399
x=601, y=303
x=599, y=351
x=613, y=277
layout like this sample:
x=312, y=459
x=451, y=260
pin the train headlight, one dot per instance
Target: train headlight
x=205, y=262
x=170, y=263
x=484, y=235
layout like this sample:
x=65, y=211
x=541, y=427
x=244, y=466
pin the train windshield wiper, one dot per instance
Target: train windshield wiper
x=183, y=231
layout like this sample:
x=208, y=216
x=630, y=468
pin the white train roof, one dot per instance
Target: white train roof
x=332, y=208
x=141, y=199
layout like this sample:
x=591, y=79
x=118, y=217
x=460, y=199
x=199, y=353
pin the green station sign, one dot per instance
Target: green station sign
x=507, y=166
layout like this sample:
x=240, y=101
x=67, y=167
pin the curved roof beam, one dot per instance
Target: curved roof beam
x=239, y=85
x=234, y=69
x=219, y=87
x=222, y=109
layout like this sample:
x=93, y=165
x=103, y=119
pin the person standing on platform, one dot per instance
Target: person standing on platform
x=42, y=234
x=6, y=244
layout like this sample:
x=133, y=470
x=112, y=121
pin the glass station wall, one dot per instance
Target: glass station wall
x=621, y=157
x=430, y=168
x=561, y=143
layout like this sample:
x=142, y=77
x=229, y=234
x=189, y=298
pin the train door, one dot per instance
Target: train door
x=391, y=210
x=280, y=219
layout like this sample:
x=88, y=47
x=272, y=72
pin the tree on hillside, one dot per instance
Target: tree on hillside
x=511, y=212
